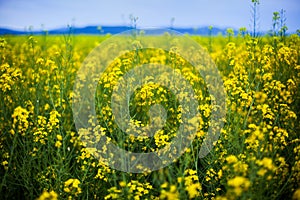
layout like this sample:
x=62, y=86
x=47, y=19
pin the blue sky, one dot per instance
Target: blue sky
x=20, y=14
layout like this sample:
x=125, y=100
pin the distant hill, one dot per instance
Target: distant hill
x=111, y=30
x=5, y=31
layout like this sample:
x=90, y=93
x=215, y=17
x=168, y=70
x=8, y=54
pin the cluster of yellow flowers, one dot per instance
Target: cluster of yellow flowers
x=71, y=186
x=48, y=195
x=131, y=190
x=169, y=192
x=191, y=182
x=256, y=155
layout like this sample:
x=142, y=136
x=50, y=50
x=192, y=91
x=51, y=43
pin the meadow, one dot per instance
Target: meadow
x=43, y=155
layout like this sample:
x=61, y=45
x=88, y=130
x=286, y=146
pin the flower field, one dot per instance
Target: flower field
x=44, y=156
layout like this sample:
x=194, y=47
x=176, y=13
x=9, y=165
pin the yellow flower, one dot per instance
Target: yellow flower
x=220, y=174
x=53, y=120
x=193, y=190
x=76, y=182
x=72, y=186
x=260, y=97
x=191, y=182
x=58, y=144
x=48, y=195
x=262, y=172
x=69, y=182
x=267, y=163
x=114, y=193
x=39, y=61
x=170, y=194
x=20, y=119
x=5, y=164
x=59, y=137
x=239, y=184
x=8, y=76
x=231, y=159
x=296, y=195
x=122, y=183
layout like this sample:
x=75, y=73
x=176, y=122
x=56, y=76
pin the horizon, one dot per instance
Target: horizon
x=116, y=29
